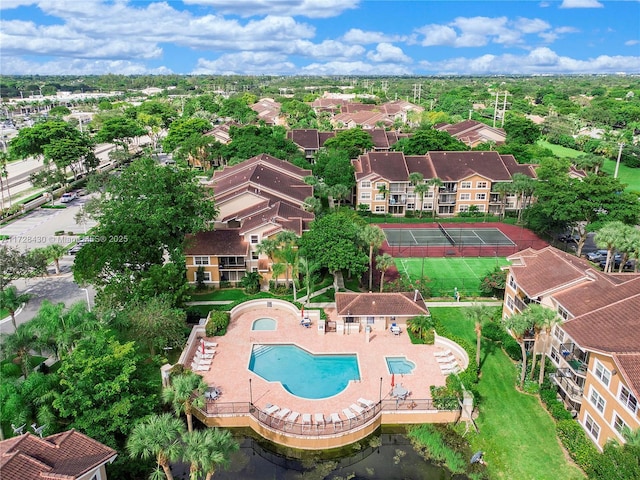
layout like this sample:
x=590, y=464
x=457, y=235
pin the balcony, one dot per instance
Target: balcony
x=575, y=358
x=568, y=382
x=232, y=264
x=447, y=199
x=398, y=199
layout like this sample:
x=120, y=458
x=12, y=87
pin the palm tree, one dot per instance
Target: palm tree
x=539, y=317
x=436, y=183
x=205, y=450
x=55, y=251
x=524, y=187
x=418, y=325
x=383, y=190
x=277, y=269
x=502, y=189
x=312, y=204
x=339, y=192
x=608, y=237
x=251, y=282
x=478, y=313
x=287, y=249
x=19, y=345
x=157, y=436
x=180, y=394
x=383, y=263
x=421, y=189
x=518, y=324
x=374, y=237
x=308, y=270
x=10, y=300
x=547, y=321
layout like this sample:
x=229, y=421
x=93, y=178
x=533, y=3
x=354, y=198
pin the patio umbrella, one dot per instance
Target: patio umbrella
x=302, y=312
x=202, y=345
x=477, y=457
x=393, y=380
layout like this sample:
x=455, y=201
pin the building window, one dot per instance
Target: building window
x=427, y=206
x=619, y=424
x=254, y=239
x=602, y=373
x=380, y=185
x=201, y=260
x=411, y=195
x=206, y=276
x=379, y=197
x=591, y=426
x=554, y=355
x=465, y=196
x=254, y=255
x=512, y=282
x=628, y=400
x=463, y=208
x=480, y=207
x=365, y=184
x=596, y=400
x=465, y=184
x=481, y=184
x=558, y=333
x=365, y=195
x=380, y=209
x=429, y=194
x=481, y=196
x=371, y=320
x=563, y=313
x=509, y=303
x=411, y=206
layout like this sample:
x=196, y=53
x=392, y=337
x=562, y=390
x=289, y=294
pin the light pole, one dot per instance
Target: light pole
x=380, y=390
x=86, y=291
x=615, y=174
x=250, y=394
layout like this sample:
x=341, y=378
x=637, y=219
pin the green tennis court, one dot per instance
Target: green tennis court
x=436, y=237
x=447, y=274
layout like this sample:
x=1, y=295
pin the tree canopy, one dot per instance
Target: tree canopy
x=427, y=139
x=353, y=141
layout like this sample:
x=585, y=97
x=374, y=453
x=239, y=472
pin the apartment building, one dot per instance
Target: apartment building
x=466, y=179
x=596, y=347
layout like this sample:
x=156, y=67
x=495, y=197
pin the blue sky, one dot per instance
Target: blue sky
x=319, y=37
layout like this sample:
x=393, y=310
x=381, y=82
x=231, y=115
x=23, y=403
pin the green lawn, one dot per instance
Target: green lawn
x=446, y=274
x=559, y=150
x=515, y=431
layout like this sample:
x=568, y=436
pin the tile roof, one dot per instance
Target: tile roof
x=630, y=370
x=307, y=138
x=217, y=242
x=388, y=165
x=455, y=166
x=380, y=304
x=420, y=164
x=67, y=455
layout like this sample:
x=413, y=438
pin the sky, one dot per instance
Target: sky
x=319, y=37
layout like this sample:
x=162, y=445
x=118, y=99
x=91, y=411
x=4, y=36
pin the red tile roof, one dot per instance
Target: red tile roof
x=455, y=166
x=380, y=304
x=217, y=242
x=388, y=165
x=67, y=455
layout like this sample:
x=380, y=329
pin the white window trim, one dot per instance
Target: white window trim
x=599, y=397
x=365, y=195
x=365, y=184
x=465, y=185
x=625, y=405
x=604, y=369
x=257, y=237
x=465, y=196
x=482, y=184
x=208, y=260
x=613, y=424
x=586, y=428
x=481, y=196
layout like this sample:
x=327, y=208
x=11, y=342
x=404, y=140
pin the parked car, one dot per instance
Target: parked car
x=81, y=243
x=597, y=256
x=628, y=265
x=569, y=238
x=68, y=197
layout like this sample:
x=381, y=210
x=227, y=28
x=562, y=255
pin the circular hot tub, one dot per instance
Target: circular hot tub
x=264, y=324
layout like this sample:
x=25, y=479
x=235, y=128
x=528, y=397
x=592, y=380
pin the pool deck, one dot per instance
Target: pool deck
x=230, y=373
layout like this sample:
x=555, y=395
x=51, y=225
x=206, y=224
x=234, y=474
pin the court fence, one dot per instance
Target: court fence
x=458, y=250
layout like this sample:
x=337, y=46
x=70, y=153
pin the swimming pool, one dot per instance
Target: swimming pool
x=400, y=365
x=302, y=373
x=264, y=324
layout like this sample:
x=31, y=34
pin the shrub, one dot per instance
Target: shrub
x=217, y=324
x=577, y=444
x=444, y=398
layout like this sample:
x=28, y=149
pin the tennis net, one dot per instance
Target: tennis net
x=446, y=234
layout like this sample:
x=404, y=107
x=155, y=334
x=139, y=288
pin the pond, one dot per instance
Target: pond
x=388, y=455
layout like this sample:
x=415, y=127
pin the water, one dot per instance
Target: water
x=400, y=365
x=264, y=324
x=385, y=456
x=303, y=374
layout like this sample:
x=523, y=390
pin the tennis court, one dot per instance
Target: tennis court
x=441, y=236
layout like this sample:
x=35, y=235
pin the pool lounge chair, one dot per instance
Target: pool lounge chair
x=279, y=417
x=199, y=368
x=451, y=370
x=349, y=414
x=267, y=411
x=444, y=353
x=357, y=408
x=209, y=344
x=306, y=422
x=291, y=420
x=447, y=359
x=447, y=366
x=366, y=403
x=319, y=419
x=205, y=356
x=337, y=421
x=203, y=361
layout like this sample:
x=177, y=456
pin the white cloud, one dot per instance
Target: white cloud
x=245, y=63
x=361, y=37
x=9, y=4
x=531, y=25
x=72, y=66
x=438, y=35
x=631, y=43
x=354, y=68
x=539, y=61
x=385, y=52
x=581, y=4
x=332, y=49
x=303, y=8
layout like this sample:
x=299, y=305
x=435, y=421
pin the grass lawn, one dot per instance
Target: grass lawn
x=515, y=431
x=559, y=150
x=4, y=313
x=446, y=274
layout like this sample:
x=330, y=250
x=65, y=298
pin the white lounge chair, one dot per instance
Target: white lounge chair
x=449, y=371
x=444, y=353
x=203, y=361
x=336, y=420
x=306, y=422
x=209, y=344
x=448, y=359
x=319, y=419
x=199, y=368
x=279, y=417
x=205, y=356
x=366, y=403
x=268, y=410
x=349, y=414
x=356, y=408
x=291, y=420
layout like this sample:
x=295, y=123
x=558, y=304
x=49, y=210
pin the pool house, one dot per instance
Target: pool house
x=280, y=370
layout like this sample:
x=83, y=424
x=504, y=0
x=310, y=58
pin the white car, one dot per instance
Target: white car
x=67, y=197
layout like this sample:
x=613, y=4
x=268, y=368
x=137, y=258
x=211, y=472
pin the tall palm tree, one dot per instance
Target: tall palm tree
x=547, y=321
x=420, y=324
x=383, y=263
x=420, y=190
x=609, y=236
x=312, y=204
x=374, y=237
x=55, y=251
x=287, y=249
x=157, y=436
x=539, y=317
x=524, y=188
x=11, y=300
x=479, y=314
x=185, y=392
x=277, y=269
x=436, y=183
x=205, y=450
x=339, y=192
x=518, y=324
x=502, y=189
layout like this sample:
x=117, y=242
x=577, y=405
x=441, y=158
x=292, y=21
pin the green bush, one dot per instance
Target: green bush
x=444, y=398
x=217, y=324
x=575, y=440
